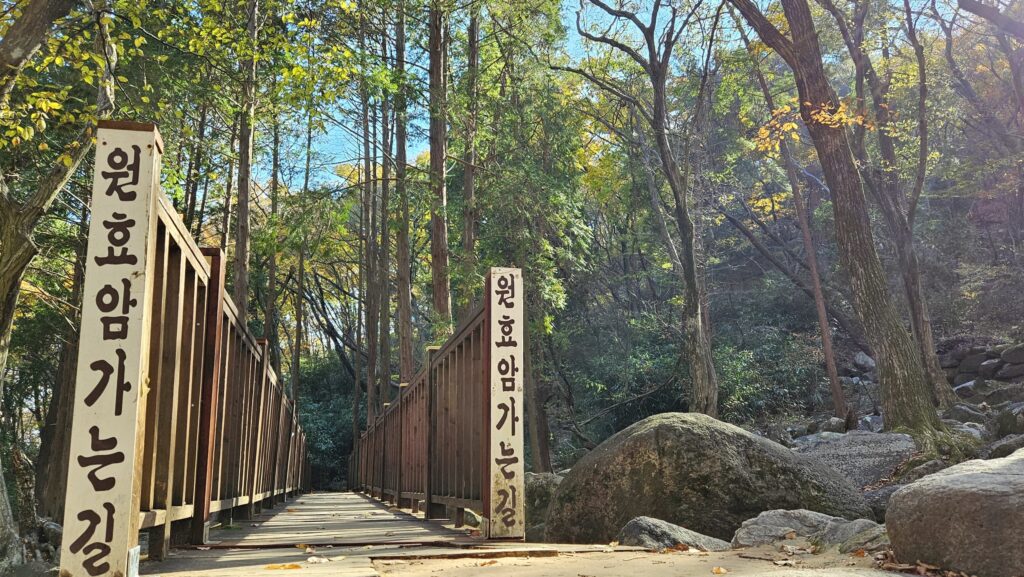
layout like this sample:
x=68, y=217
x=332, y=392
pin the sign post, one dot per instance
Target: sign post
x=101, y=518
x=506, y=514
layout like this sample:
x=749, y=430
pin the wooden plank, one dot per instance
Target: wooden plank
x=209, y=395
x=155, y=348
x=167, y=398
x=182, y=433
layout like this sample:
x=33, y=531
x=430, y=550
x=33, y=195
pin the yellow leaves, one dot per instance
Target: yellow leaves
x=65, y=159
x=719, y=570
x=782, y=125
x=835, y=117
x=43, y=147
x=274, y=566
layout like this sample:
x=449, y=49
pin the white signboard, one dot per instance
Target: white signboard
x=101, y=519
x=507, y=516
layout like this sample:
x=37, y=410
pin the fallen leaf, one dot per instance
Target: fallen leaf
x=284, y=566
x=301, y=546
x=859, y=553
x=719, y=570
x=486, y=563
x=680, y=547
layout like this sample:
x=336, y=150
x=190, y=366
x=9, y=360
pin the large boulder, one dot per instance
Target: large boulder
x=1014, y=354
x=861, y=456
x=1006, y=446
x=1010, y=420
x=965, y=414
x=651, y=533
x=693, y=471
x=965, y=518
x=824, y=530
x=1010, y=372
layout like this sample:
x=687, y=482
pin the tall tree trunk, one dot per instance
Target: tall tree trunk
x=384, y=248
x=884, y=182
x=369, y=233
x=469, y=259
x=300, y=297
x=225, y=218
x=245, y=159
x=404, y=273
x=906, y=398
x=438, y=44
x=195, y=168
x=270, y=300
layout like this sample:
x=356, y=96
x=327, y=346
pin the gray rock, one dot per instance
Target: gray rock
x=539, y=489
x=833, y=425
x=1014, y=354
x=966, y=518
x=863, y=458
x=1010, y=372
x=51, y=532
x=948, y=361
x=878, y=499
x=976, y=431
x=1009, y=420
x=694, y=471
x=972, y=363
x=1006, y=446
x=963, y=378
x=1013, y=393
x=655, y=534
x=923, y=470
x=871, y=423
x=471, y=518
x=989, y=368
x=824, y=530
x=863, y=362
x=965, y=414
x=972, y=388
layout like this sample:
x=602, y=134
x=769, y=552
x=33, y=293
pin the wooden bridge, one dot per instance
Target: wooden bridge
x=183, y=435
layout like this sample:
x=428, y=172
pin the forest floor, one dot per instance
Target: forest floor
x=349, y=535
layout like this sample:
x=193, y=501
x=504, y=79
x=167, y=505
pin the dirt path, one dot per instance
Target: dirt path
x=746, y=563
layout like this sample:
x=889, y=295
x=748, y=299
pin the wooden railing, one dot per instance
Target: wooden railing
x=179, y=420
x=453, y=439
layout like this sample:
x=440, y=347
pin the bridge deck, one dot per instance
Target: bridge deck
x=353, y=536
x=348, y=529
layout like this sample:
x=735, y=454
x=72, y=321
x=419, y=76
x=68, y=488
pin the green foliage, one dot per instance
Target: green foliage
x=326, y=417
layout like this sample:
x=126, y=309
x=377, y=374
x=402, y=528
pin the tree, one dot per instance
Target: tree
x=906, y=393
x=655, y=59
x=404, y=271
x=882, y=178
x=438, y=50
x=247, y=121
